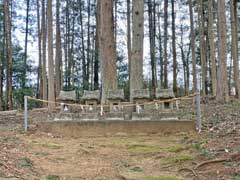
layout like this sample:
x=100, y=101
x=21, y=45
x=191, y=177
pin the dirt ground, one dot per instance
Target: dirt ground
x=212, y=155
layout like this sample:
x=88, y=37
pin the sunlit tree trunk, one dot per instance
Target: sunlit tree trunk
x=235, y=46
x=107, y=48
x=212, y=47
x=51, y=92
x=8, y=30
x=194, y=71
x=222, y=88
x=58, y=60
x=165, y=84
x=136, y=69
x=202, y=45
x=44, y=55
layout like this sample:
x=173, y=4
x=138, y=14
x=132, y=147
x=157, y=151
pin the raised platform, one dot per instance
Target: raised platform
x=111, y=128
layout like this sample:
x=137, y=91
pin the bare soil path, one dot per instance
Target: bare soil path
x=214, y=154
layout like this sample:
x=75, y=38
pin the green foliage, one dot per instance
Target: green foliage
x=48, y=144
x=18, y=96
x=142, y=148
x=25, y=162
x=236, y=176
x=177, y=149
x=137, y=169
x=178, y=159
x=182, y=158
x=208, y=154
x=122, y=72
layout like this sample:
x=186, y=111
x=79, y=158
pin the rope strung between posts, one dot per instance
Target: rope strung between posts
x=155, y=102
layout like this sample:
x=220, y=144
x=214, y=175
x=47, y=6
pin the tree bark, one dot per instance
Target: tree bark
x=51, y=92
x=26, y=47
x=212, y=47
x=58, y=60
x=174, y=49
x=136, y=69
x=84, y=66
x=96, y=61
x=115, y=19
x=152, y=34
x=107, y=48
x=202, y=45
x=2, y=60
x=8, y=28
x=88, y=42
x=235, y=47
x=222, y=89
x=39, y=79
x=44, y=57
x=165, y=84
x=129, y=35
x=194, y=71
x=160, y=49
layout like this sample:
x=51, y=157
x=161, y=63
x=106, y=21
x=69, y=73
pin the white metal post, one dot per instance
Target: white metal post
x=25, y=114
x=199, y=118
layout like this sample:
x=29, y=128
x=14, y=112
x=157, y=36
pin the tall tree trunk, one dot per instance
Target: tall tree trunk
x=58, y=60
x=188, y=70
x=8, y=30
x=84, y=66
x=184, y=61
x=202, y=45
x=165, y=84
x=88, y=42
x=235, y=47
x=93, y=56
x=230, y=76
x=222, y=89
x=160, y=48
x=136, y=69
x=70, y=47
x=2, y=59
x=44, y=57
x=194, y=71
x=212, y=47
x=26, y=46
x=152, y=33
x=96, y=61
x=39, y=79
x=115, y=19
x=129, y=35
x=69, y=55
x=107, y=48
x=66, y=44
x=51, y=92
x=174, y=49
x=1, y=85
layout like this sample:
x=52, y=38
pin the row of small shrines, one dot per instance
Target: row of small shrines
x=115, y=99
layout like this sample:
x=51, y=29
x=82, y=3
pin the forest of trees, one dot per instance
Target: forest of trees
x=52, y=45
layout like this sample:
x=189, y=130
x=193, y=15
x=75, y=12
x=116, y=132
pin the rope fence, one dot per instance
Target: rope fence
x=193, y=96
x=189, y=97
